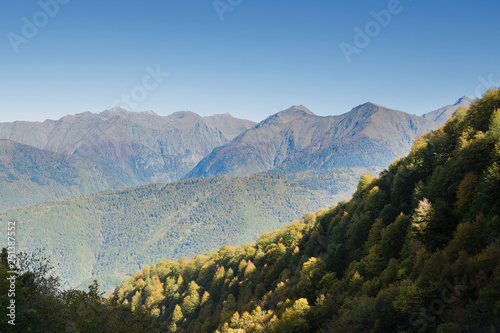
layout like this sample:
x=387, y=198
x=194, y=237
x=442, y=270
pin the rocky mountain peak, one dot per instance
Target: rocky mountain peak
x=366, y=110
x=463, y=101
x=441, y=115
x=114, y=112
x=294, y=112
x=184, y=115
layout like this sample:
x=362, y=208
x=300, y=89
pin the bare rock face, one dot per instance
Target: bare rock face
x=138, y=148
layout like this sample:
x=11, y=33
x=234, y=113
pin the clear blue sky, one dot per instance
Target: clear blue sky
x=263, y=57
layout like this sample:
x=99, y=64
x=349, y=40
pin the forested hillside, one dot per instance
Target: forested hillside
x=416, y=249
x=29, y=175
x=112, y=234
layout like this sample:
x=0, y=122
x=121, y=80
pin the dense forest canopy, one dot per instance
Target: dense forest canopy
x=110, y=235
x=416, y=249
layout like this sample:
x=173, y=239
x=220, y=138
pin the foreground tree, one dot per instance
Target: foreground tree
x=42, y=306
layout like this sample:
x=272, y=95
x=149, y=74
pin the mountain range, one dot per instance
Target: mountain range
x=137, y=147
x=296, y=140
x=117, y=149
x=310, y=162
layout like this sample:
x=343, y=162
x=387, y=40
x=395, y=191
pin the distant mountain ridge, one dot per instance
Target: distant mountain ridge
x=296, y=140
x=138, y=147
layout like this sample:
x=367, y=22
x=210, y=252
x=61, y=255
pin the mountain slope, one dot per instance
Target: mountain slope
x=296, y=140
x=114, y=233
x=29, y=175
x=137, y=147
x=416, y=249
x=441, y=115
